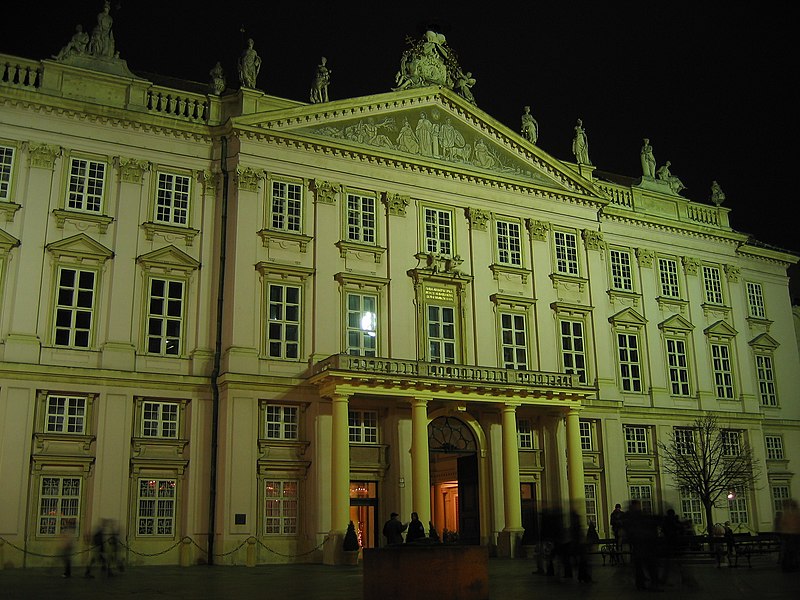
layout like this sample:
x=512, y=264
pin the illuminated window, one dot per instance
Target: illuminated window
x=362, y=324
x=165, y=317
x=692, y=507
x=86, y=181
x=524, y=434
x=712, y=284
x=590, y=492
x=573, y=351
x=281, y=502
x=566, y=249
x=283, y=326
x=441, y=333
x=621, y=273
x=513, y=340
x=438, y=235
x=172, y=199
x=6, y=171
x=59, y=505
x=644, y=494
x=668, y=277
x=755, y=300
x=774, y=444
x=75, y=297
x=509, y=244
x=286, y=206
x=737, y=507
x=363, y=426
x=766, y=380
x=65, y=414
x=587, y=441
x=160, y=419
x=636, y=439
x=155, y=503
x=361, y=218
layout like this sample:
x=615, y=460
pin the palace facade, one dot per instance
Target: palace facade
x=232, y=323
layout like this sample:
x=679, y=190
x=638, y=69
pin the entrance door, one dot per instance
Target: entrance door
x=469, y=528
x=364, y=512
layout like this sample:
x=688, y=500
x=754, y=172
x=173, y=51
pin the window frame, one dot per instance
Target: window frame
x=647, y=500
x=163, y=507
x=756, y=308
x=566, y=260
x=621, y=272
x=575, y=355
x=525, y=438
x=168, y=202
x=164, y=338
x=738, y=506
x=288, y=525
x=363, y=426
x=765, y=378
x=64, y=428
x=76, y=196
x=63, y=521
x=713, y=289
x=684, y=438
x=286, y=427
x=779, y=499
x=679, y=376
x=74, y=310
x=773, y=444
x=629, y=362
x=437, y=238
x=722, y=357
x=351, y=331
x=669, y=280
x=508, y=243
x=732, y=440
x=509, y=338
x=360, y=225
x=160, y=419
x=639, y=442
x=696, y=511
x=7, y=170
x=284, y=342
x=586, y=435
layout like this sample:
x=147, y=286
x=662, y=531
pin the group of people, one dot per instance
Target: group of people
x=104, y=550
x=394, y=529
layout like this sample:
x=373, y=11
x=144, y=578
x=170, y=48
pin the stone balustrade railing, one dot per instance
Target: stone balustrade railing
x=20, y=72
x=619, y=195
x=181, y=105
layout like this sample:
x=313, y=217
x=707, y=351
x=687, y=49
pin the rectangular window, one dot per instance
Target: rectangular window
x=165, y=317
x=678, y=367
x=774, y=444
x=65, y=414
x=513, y=341
x=74, y=307
x=712, y=284
x=621, y=274
x=281, y=422
x=731, y=442
x=59, y=505
x=766, y=380
x=692, y=507
x=86, y=178
x=156, y=507
x=160, y=420
x=684, y=441
x=280, y=507
x=283, y=328
x=644, y=494
x=668, y=277
x=781, y=494
x=636, y=439
x=629, y=368
x=737, y=507
x=172, y=199
x=362, y=324
x=361, y=218
x=438, y=231
x=524, y=434
x=590, y=492
x=566, y=247
x=6, y=171
x=755, y=300
x=585, y=430
x=573, y=352
x=723, y=375
x=286, y=205
x=509, y=244
x=441, y=334
x=363, y=426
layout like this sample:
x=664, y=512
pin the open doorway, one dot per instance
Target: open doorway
x=364, y=512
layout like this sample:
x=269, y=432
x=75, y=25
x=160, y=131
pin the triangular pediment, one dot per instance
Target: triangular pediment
x=720, y=328
x=628, y=316
x=168, y=259
x=764, y=341
x=80, y=245
x=675, y=323
x=429, y=128
x=7, y=241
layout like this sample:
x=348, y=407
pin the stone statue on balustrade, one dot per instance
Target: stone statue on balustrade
x=580, y=145
x=249, y=66
x=648, y=160
x=101, y=44
x=464, y=83
x=664, y=174
x=217, y=82
x=717, y=195
x=319, y=86
x=530, y=128
x=76, y=46
x=430, y=61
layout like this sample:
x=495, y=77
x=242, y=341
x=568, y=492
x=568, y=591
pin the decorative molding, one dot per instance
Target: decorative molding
x=43, y=156
x=100, y=221
x=733, y=272
x=325, y=191
x=593, y=239
x=478, y=218
x=396, y=204
x=273, y=235
x=131, y=170
x=690, y=265
x=170, y=232
x=8, y=210
x=538, y=230
x=247, y=178
x=645, y=257
x=346, y=247
x=210, y=180
x=498, y=269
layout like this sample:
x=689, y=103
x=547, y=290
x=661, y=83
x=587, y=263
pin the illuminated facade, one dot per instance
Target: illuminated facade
x=383, y=304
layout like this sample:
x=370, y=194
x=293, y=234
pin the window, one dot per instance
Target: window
x=172, y=199
x=629, y=368
x=441, y=334
x=692, y=507
x=59, y=505
x=361, y=218
x=712, y=284
x=731, y=442
x=566, y=248
x=160, y=419
x=737, y=507
x=668, y=277
x=774, y=444
x=281, y=422
x=286, y=206
x=86, y=179
x=684, y=441
x=621, y=274
x=280, y=507
x=513, y=341
x=362, y=323
x=723, y=375
x=635, y=439
x=755, y=300
x=781, y=494
x=65, y=414
x=438, y=231
x=363, y=425
x=283, y=328
x=74, y=307
x=156, y=507
x=644, y=494
x=585, y=430
x=509, y=245
x=766, y=380
x=6, y=171
x=590, y=492
x=678, y=365
x=524, y=434
x=165, y=317
x=573, y=355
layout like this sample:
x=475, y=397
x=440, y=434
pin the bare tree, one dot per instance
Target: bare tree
x=709, y=461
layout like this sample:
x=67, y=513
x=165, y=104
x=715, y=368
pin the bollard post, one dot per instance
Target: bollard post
x=251, y=552
x=185, y=549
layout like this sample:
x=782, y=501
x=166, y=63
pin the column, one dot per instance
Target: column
x=575, y=482
x=512, y=504
x=420, y=462
x=340, y=478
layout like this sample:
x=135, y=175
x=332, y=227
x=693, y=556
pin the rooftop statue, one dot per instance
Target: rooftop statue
x=530, y=128
x=664, y=174
x=249, y=66
x=717, y=195
x=580, y=145
x=464, y=84
x=101, y=44
x=322, y=78
x=77, y=45
x=648, y=160
x=217, y=83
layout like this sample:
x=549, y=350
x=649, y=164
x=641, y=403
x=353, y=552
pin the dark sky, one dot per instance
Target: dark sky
x=712, y=84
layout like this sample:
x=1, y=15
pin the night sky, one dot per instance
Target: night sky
x=712, y=84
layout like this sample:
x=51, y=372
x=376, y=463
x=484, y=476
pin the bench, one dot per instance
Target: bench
x=750, y=546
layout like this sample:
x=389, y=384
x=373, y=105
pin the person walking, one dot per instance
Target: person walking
x=98, y=551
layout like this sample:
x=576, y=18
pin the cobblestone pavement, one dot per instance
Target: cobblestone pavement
x=508, y=579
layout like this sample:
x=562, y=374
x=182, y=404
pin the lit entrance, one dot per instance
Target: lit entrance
x=364, y=512
x=454, y=479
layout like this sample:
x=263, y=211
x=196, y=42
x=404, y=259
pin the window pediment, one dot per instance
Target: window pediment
x=82, y=247
x=676, y=323
x=168, y=260
x=720, y=329
x=7, y=242
x=628, y=316
x=764, y=341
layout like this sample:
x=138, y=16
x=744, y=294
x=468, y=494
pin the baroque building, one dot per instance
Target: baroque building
x=232, y=322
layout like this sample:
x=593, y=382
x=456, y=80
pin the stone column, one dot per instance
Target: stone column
x=575, y=481
x=420, y=462
x=512, y=504
x=340, y=478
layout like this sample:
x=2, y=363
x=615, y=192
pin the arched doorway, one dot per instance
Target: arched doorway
x=454, y=480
